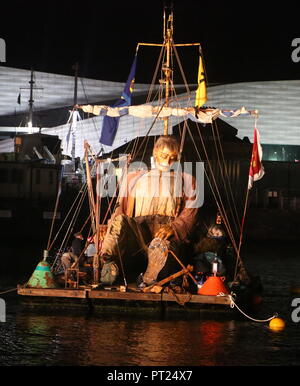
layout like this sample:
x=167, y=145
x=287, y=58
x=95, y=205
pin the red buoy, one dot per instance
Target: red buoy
x=213, y=286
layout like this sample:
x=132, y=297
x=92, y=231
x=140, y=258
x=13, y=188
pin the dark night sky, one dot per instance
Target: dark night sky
x=240, y=42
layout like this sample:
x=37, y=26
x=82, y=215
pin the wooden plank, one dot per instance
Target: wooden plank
x=142, y=296
x=210, y=299
x=98, y=294
x=52, y=292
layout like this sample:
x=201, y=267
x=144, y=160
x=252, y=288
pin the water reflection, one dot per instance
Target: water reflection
x=31, y=339
x=211, y=339
x=76, y=340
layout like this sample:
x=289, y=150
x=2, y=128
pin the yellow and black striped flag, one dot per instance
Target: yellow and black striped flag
x=201, y=96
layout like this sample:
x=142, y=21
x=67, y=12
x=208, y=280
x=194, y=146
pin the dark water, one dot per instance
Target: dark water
x=32, y=338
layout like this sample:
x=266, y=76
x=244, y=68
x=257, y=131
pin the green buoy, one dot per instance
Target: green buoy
x=42, y=276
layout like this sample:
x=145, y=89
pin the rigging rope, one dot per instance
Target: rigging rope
x=56, y=207
x=137, y=149
x=155, y=75
x=233, y=304
x=10, y=290
x=68, y=232
x=185, y=82
x=181, y=70
x=225, y=182
x=82, y=193
x=151, y=127
x=216, y=194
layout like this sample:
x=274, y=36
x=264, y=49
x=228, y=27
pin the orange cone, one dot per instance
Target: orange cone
x=213, y=286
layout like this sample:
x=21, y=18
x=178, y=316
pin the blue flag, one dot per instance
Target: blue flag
x=110, y=124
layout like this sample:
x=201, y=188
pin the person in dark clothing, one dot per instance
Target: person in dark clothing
x=70, y=259
x=77, y=245
x=209, y=248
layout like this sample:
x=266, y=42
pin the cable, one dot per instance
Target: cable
x=10, y=290
x=233, y=304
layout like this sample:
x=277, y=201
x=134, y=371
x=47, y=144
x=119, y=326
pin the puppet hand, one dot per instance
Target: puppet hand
x=164, y=232
x=102, y=231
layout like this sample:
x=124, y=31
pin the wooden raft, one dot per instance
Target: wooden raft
x=115, y=294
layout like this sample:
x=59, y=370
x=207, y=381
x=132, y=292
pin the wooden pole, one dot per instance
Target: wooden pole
x=184, y=271
x=168, y=36
x=97, y=223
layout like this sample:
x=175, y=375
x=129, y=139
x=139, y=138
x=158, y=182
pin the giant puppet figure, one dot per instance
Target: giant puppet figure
x=156, y=213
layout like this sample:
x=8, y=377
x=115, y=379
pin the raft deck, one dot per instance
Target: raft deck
x=110, y=295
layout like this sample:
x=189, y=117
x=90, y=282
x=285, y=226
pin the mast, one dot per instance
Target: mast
x=168, y=46
x=75, y=68
x=168, y=41
x=74, y=114
x=31, y=101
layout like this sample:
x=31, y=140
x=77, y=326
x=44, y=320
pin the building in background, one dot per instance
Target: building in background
x=278, y=123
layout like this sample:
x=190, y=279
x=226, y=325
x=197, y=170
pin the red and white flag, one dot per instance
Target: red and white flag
x=256, y=171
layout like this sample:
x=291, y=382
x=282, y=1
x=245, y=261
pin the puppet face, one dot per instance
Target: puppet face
x=164, y=158
x=216, y=231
